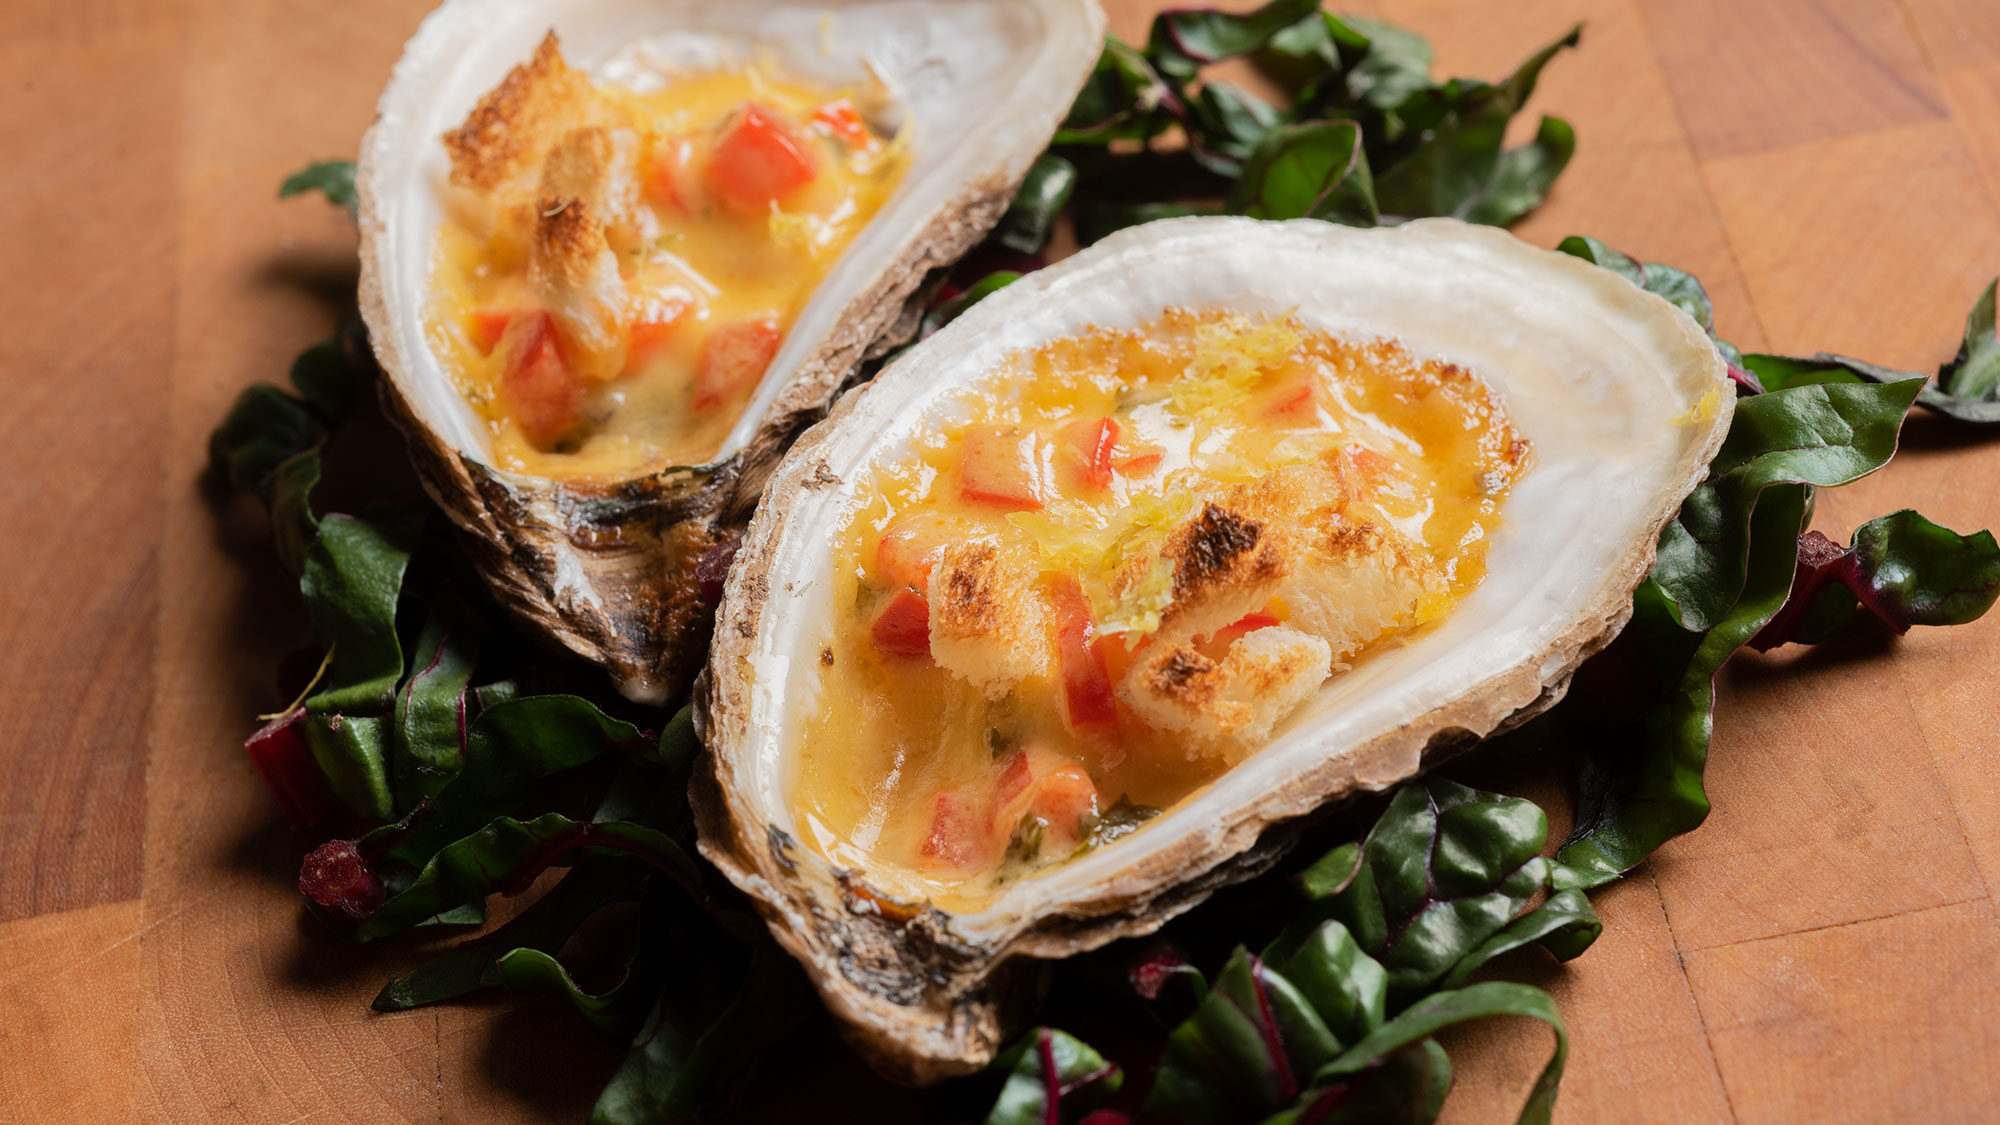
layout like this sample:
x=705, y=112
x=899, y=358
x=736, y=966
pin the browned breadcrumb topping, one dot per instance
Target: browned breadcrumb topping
x=512, y=127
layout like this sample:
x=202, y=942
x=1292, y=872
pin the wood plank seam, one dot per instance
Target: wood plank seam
x=1707, y=191
x=1951, y=110
x=1700, y=1019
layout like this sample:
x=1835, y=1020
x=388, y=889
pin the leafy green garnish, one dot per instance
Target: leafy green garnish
x=331, y=178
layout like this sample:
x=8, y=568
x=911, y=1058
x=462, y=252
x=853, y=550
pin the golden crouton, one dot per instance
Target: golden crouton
x=988, y=619
x=575, y=277
x=501, y=146
x=1226, y=708
x=1351, y=583
x=600, y=167
x=1225, y=565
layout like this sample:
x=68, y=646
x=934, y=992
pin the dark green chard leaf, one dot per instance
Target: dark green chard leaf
x=1406, y=1088
x=1316, y=170
x=1820, y=434
x=1457, y=167
x=692, y=1050
x=1903, y=568
x=1184, y=40
x=1640, y=778
x=1565, y=925
x=507, y=855
x=1346, y=987
x=1121, y=100
x=1050, y=1074
x=1444, y=870
x=331, y=178
x=618, y=1010
x=431, y=709
x=1522, y=179
x=1043, y=195
x=1968, y=387
x=1231, y=124
x=265, y=429
x=594, y=883
x=1248, y=1049
x=1394, y=64
x=1440, y=1010
x=509, y=750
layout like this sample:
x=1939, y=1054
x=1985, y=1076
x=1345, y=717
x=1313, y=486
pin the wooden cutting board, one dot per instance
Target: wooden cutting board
x=1825, y=948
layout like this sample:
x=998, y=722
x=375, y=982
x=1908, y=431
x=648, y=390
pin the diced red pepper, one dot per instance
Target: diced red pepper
x=760, y=160
x=1066, y=799
x=537, y=387
x=908, y=549
x=1218, y=642
x=1138, y=459
x=733, y=360
x=840, y=121
x=903, y=627
x=1294, y=400
x=998, y=468
x=1087, y=697
x=484, y=327
x=958, y=832
x=1093, y=443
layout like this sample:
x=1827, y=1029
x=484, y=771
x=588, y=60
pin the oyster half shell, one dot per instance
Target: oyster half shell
x=605, y=567
x=1623, y=397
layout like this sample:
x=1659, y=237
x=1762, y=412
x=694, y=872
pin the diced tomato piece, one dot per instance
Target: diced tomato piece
x=656, y=319
x=1066, y=799
x=999, y=468
x=733, y=359
x=908, y=549
x=958, y=832
x=484, y=327
x=537, y=387
x=760, y=160
x=1295, y=400
x=1218, y=642
x=903, y=627
x=1138, y=459
x=840, y=121
x=1092, y=443
x=1087, y=698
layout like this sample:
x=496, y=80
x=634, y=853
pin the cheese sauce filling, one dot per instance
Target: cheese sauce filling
x=619, y=268
x=1149, y=548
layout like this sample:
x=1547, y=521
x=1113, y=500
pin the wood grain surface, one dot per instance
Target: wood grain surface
x=1825, y=948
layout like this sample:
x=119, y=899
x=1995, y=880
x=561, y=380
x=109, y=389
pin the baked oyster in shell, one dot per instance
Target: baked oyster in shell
x=974, y=89
x=1622, y=396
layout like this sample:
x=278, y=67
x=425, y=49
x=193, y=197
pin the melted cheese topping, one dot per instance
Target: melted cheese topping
x=702, y=240
x=1147, y=549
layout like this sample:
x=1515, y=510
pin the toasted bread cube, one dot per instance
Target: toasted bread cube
x=1226, y=708
x=1225, y=565
x=1352, y=583
x=988, y=617
x=575, y=276
x=500, y=148
x=600, y=166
